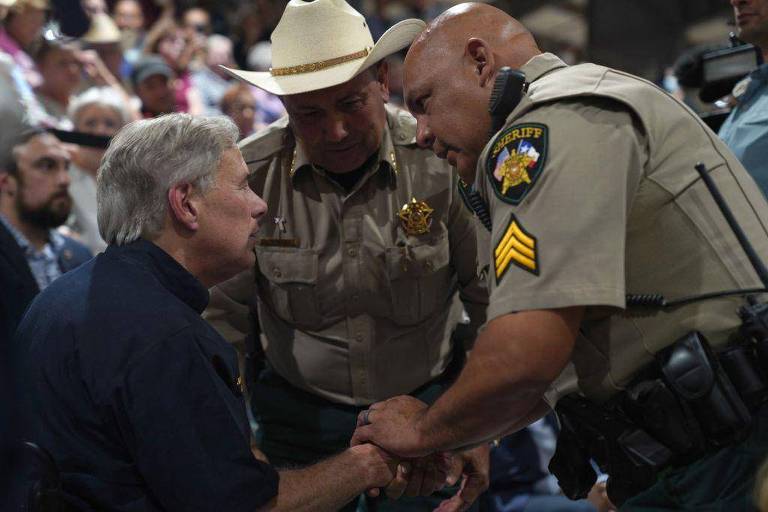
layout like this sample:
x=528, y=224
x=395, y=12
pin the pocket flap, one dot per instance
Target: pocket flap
x=288, y=265
x=418, y=260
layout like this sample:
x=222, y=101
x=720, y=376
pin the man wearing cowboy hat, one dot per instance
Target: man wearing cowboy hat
x=369, y=260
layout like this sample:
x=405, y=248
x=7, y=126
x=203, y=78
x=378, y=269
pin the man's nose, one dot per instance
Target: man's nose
x=424, y=136
x=336, y=131
x=259, y=206
x=64, y=177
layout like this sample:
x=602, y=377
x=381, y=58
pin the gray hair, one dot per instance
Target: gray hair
x=103, y=96
x=146, y=159
x=220, y=41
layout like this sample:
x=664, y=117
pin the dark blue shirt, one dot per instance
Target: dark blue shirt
x=134, y=395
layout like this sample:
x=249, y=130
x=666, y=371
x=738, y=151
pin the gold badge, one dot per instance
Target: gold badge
x=415, y=217
x=514, y=171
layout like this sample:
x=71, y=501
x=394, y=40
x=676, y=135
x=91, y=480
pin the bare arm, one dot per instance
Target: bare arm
x=514, y=361
x=331, y=484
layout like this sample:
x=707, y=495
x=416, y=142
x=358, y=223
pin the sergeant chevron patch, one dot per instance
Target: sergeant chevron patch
x=517, y=247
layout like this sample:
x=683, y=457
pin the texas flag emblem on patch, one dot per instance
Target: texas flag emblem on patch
x=516, y=160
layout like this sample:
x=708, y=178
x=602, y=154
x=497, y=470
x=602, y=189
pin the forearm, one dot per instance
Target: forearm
x=483, y=404
x=501, y=387
x=327, y=485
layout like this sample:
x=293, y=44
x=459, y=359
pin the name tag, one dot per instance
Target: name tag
x=279, y=242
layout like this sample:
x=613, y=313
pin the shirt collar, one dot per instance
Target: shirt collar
x=174, y=277
x=540, y=65
x=387, y=155
x=761, y=73
x=55, y=239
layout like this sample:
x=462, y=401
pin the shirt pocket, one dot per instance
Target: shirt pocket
x=420, y=278
x=291, y=284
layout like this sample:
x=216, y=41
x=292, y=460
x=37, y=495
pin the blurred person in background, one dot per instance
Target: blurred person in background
x=129, y=18
x=251, y=26
x=168, y=40
x=239, y=104
x=211, y=81
x=269, y=107
x=34, y=201
x=12, y=110
x=152, y=79
x=128, y=15
x=97, y=111
x=21, y=27
x=18, y=104
x=103, y=39
x=196, y=20
x=520, y=477
x=196, y=23
x=60, y=66
x=746, y=129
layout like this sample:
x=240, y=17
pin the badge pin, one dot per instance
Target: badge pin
x=415, y=217
x=280, y=223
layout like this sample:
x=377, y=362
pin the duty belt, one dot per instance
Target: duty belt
x=690, y=402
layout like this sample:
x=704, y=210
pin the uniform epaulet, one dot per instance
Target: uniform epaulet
x=402, y=125
x=267, y=142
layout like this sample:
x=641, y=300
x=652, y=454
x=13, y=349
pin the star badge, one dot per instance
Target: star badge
x=415, y=217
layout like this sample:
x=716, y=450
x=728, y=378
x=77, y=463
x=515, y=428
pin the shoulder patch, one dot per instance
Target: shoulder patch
x=517, y=247
x=516, y=160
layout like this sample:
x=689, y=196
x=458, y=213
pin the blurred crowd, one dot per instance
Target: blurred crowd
x=144, y=58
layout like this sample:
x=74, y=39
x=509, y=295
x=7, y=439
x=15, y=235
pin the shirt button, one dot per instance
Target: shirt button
x=276, y=272
x=352, y=252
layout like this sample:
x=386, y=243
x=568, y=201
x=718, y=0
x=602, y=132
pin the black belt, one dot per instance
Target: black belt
x=691, y=402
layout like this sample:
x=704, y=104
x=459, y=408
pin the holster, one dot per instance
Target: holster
x=676, y=411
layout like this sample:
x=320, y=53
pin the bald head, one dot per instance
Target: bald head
x=449, y=73
x=450, y=32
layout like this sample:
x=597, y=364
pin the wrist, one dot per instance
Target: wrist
x=367, y=462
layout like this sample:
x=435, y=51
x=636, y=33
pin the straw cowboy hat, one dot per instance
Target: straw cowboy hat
x=322, y=43
x=103, y=30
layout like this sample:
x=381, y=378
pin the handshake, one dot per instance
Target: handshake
x=398, y=459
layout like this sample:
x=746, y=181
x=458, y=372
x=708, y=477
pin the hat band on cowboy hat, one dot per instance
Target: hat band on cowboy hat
x=322, y=43
x=317, y=66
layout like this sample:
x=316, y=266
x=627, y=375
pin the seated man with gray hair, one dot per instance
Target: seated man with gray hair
x=135, y=397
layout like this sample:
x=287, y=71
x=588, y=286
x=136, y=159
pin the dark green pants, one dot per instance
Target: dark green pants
x=721, y=481
x=297, y=428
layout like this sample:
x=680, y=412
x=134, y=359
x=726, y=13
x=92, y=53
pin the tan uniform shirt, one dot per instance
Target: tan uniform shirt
x=593, y=195
x=352, y=306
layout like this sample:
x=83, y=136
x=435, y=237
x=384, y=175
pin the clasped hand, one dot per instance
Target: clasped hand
x=393, y=426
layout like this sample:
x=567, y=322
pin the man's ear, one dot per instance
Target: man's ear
x=382, y=76
x=182, y=199
x=481, y=57
x=8, y=183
